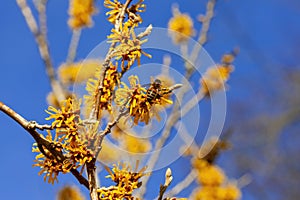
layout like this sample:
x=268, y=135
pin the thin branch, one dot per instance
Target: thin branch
x=121, y=16
x=183, y=133
x=145, y=33
x=35, y=125
x=91, y=171
x=106, y=131
x=206, y=21
x=164, y=187
x=43, y=48
x=41, y=7
x=73, y=45
x=41, y=141
x=192, y=103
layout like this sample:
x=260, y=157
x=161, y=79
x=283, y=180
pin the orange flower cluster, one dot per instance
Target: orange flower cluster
x=126, y=182
x=67, y=142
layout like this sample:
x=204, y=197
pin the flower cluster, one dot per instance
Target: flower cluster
x=132, y=12
x=215, y=78
x=73, y=73
x=139, y=100
x=70, y=73
x=48, y=164
x=213, y=181
x=67, y=141
x=125, y=50
x=80, y=13
x=126, y=182
x=181, y=26
x=110, y=81
x=102, y=94
x=127, y=45
x=69, y=192
x=133, y=144
x=128, y=48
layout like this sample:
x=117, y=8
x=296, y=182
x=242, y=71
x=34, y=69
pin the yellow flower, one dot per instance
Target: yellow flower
x=205, y=193
x=92, y=86
x=211, y=175
x=53, y=101
x=131, y=12
x=64, y=116
x=140, y=101
x=102, y=94
x=115, y=7
x=199, y=164
x=67, y=141
x=77, y=72
x=228, y=192
x=126, y=182
x=135, y=99
x=80, y=12
x=69, y=193
x=129, y=46
x=136, y=145
x=215, y=78
x=182, y=24
x=135, y=18
x=50, y=167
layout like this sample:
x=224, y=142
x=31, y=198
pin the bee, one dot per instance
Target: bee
x=156, y=90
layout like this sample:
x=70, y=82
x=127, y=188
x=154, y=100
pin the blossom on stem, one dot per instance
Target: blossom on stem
x=181, y=26
x=80, y=12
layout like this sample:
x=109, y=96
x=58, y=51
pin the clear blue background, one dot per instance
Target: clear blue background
x=266, y=32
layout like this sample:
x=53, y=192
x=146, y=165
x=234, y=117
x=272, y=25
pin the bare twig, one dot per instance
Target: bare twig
x=35, y=125
x=164, y=187
x=145, y=33
x=183, y=133
x=106, y=131
x=73, y=45
x=43, y=48
x=206, y=21
x=41, y=141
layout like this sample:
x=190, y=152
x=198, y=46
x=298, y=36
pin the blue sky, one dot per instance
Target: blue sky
x=265, y=31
